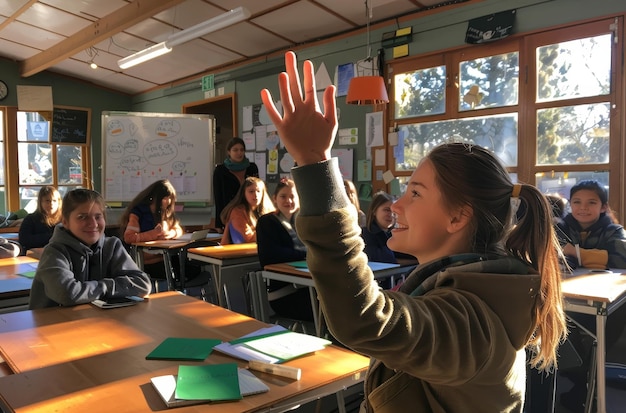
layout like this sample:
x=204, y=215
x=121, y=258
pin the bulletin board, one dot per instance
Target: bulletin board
x=140, y=148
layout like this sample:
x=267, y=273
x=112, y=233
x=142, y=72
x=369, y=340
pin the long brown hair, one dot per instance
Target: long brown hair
x=50, y=219
x=265, y=206
x=379, y=198
x=468, y=175
x=153, y=194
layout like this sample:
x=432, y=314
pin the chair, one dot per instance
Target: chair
x=182, y=256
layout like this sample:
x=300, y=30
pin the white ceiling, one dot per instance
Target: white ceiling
x=65, y=35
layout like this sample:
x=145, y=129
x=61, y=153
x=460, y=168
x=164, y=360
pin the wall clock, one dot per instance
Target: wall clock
x=4, y=90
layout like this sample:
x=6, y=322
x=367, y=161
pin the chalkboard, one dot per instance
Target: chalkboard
x=70, y=125
x=140, y=148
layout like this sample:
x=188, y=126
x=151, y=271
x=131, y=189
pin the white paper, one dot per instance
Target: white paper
x=374, y=129
x=379, y=157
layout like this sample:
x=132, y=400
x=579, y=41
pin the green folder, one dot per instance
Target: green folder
x=298, y=264
x=211, y=382
x=176, y=348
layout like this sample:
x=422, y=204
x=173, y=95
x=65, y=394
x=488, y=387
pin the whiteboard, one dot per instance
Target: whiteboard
x=141, y=148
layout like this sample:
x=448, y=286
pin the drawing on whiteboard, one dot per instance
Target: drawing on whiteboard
x=143, y=148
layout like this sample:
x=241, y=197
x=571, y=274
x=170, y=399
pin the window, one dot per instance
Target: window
x=3, y=198
x=35, y=162
x=543, y=103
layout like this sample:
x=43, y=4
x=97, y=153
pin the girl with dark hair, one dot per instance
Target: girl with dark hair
x=590, y=234
x=278, y=242
x=80, y=264
x=150, y=216
x=377, y=229
x=453, y=338
x=37, y=228
x=228, y=177
x=242, y=213
x=591, y=238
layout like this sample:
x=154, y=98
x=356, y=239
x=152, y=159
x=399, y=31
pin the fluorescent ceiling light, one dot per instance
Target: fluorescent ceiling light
x=146, y=54
x=216, y=23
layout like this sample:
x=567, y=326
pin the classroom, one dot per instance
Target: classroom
x=541, y=83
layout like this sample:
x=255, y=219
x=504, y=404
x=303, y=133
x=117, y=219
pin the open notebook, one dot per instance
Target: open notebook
x=165, y=386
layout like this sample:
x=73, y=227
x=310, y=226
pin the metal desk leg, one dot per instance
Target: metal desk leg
x=317, y=314
x=601, y=360
x=169, y=271
x=138, y=253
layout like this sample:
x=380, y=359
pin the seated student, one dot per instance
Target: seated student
x=150, y=216
x=278, y=242
x=591, y=237
x=377, y=231
x=80, y=264
x=37, y=228
x=241, y=214
x=353, y=196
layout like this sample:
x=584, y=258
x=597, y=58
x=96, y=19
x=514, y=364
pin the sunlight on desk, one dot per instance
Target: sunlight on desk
x=594, y=286
x=216, y=317
x=63, y=342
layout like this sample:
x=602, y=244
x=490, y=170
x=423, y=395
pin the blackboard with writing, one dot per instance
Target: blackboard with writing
x=70, y=125
x=140, y=148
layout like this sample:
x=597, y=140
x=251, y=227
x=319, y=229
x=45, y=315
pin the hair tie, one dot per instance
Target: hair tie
x=517, y=188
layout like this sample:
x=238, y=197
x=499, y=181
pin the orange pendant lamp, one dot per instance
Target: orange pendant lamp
x=367, y=90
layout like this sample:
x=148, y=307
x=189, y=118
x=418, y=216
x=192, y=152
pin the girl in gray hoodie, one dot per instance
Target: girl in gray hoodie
x=81, y=264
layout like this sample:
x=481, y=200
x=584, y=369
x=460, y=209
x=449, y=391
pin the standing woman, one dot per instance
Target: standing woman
x=453, y=338
x=228, y=177
x=81, y=264
x=277, y=242
x=241, y=214
x=150, y=216
x=37, y=228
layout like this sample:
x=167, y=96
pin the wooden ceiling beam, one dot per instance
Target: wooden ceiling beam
x=99, y=30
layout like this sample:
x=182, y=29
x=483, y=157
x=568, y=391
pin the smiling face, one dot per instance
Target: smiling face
x=424, y=226
x=287, y=201
x=586, y=207
x=86, y=222
x=237, y=153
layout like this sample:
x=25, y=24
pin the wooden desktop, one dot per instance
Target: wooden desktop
x=88, y=359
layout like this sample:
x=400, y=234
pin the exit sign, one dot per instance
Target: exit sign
x=207, y=82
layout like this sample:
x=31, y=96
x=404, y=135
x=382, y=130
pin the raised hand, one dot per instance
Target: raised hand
x=307, y=133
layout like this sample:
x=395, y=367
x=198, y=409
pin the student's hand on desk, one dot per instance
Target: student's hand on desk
x=569, y=250
x=307, y=133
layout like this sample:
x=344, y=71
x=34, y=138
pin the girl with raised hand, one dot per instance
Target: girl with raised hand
x=242, y=213
x=80, y=264
x=453, y=337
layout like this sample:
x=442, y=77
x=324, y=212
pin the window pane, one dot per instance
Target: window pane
x=497, y=133
x=28, y=198
x=561, y=182
x=32, y=127
x=2, y=155
x=419, y=93
x=489, y=82
x=577, y=68
x=35, y=160
x=69, y=164
x=573, y=134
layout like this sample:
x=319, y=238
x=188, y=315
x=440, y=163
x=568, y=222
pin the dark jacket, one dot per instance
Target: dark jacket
x=458, y=346
x=71, y=273
x=34, y=232
x=602, y=235
x=225, y=187
x=376, y=244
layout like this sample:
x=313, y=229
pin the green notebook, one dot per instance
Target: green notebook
x=177, y=348
x=215, y=382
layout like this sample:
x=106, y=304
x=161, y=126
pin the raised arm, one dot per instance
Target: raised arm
x=307, y=133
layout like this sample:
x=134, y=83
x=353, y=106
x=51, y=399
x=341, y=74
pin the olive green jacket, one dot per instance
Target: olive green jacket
x=457, y=347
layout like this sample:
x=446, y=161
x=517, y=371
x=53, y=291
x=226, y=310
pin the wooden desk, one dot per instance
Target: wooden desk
x=301, y=276
x=167, y=247
x=85, y=359
x=15, y=289
x=229, y=262
x=598, y=294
